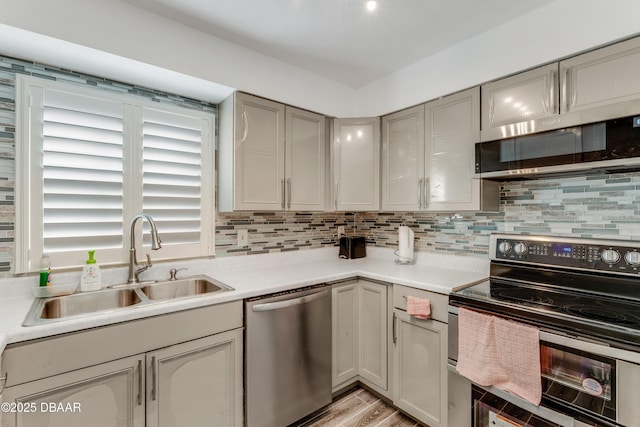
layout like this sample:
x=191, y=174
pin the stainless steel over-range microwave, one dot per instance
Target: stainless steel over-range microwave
x=609, y=145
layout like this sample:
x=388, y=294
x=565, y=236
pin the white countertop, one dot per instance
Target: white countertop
x=250, y=276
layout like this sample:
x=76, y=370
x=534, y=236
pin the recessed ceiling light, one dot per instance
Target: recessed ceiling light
x=371, y=5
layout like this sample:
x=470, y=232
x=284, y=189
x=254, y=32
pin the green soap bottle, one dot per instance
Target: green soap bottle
x=90, y=280
x=45, y=270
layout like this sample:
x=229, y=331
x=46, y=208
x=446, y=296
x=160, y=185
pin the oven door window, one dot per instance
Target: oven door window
x=577, y=378
x=492, y=411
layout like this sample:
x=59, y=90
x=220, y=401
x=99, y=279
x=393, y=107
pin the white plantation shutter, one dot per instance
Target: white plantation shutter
x=89, y=161
x=172, y=176
x=82, y=173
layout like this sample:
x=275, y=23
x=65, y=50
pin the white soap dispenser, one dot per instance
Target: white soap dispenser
x=90, y=280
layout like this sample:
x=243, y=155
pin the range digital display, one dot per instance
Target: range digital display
x=562, y=249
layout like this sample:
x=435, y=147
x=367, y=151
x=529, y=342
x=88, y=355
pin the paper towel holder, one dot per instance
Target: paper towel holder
x=402, y=259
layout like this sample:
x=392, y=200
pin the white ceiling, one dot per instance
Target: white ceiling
x=340, y=39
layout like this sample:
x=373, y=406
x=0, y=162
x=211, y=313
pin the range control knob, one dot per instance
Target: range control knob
x=504, y=247
x=632, y=258
x=610, y=256
x=520, y=248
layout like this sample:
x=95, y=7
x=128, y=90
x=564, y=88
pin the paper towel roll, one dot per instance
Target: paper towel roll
x=405, y=243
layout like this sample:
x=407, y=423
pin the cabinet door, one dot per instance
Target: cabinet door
x=106, y=395
x=403, y=160
x=344, y=334
x=259, y=154
x=357, y=164
x=373, y=333
x=197, y=383
x=305, y=160
x=420, y=371
x=520, y=98
x=603, y=77
x=451, y=131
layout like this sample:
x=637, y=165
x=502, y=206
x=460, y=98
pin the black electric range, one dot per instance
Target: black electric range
x=589, y=288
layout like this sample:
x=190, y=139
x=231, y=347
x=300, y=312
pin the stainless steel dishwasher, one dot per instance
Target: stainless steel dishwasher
x=288, y=356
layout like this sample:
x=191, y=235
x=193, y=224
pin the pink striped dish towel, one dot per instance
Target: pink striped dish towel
x=420, y=308
x=498, y=352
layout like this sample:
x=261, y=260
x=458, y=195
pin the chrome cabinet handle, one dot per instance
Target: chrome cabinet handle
x=335, y=195
x=565, y=89
x=153, y=378
x=427, y=192
x=420, y=194
x=393, y=335
x=552, y=91
x=283, y=192
x=288, y=193
x=491, y=109
x=139, y=382
x=245, y=126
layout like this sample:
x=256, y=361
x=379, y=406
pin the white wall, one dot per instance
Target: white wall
x=557, y=30
x=154, y=46
x=127, y=31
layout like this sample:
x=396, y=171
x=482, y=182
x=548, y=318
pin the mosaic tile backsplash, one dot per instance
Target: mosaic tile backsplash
x=600, y=206
x=591, y=206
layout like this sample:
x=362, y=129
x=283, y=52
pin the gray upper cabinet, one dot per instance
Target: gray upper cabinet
x=305, y=142
x=601, y=78
x=356, y=164
x=520, y=98
x=452, y=126
x=403, y=160
x=270, y=156
x=595, y=86
x=428, y=158
x=251, y=154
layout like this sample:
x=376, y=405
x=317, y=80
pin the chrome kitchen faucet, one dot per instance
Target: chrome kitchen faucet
x=155, y=245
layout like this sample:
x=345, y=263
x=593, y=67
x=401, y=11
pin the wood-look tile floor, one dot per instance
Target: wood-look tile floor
x=359, y=408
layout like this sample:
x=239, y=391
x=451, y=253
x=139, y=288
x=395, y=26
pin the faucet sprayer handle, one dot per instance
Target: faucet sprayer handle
x=174, y=271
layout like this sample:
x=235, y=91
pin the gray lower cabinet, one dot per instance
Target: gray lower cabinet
x=344, y=334
x=360, y=334
x=420, y=358
x=109, y=395
x=373, y=334
x=377, y=343
x=197, y=383
x=132, y=374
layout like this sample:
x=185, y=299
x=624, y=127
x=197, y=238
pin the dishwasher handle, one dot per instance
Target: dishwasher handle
x=269, y=306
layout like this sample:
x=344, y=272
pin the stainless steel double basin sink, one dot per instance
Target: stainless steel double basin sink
x=45, y=310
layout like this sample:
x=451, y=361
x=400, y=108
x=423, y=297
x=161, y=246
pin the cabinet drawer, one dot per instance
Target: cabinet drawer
x=439, y=302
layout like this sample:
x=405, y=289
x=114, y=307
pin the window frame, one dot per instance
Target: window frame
x=29, y=198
